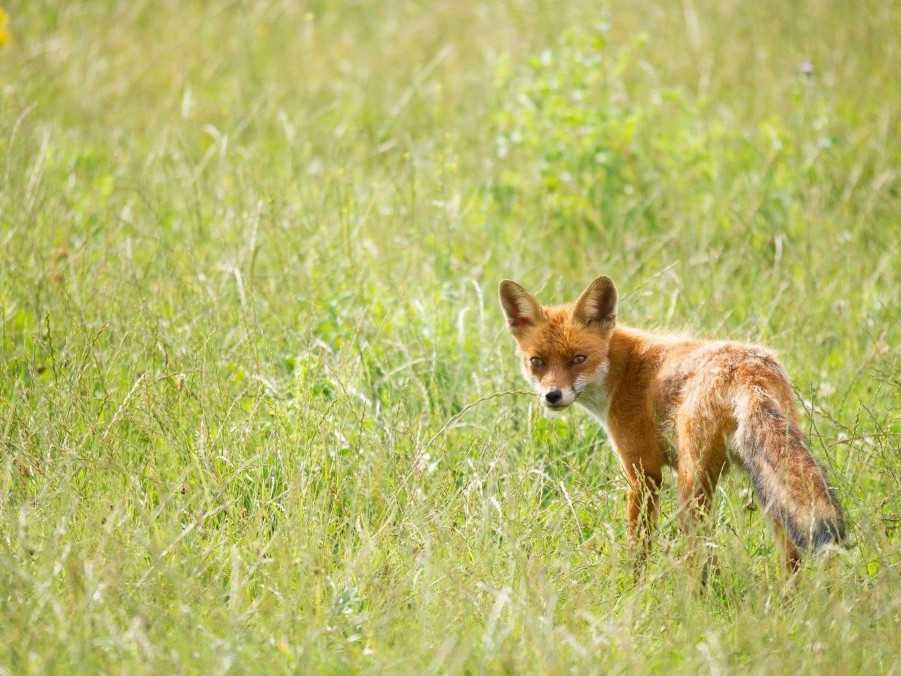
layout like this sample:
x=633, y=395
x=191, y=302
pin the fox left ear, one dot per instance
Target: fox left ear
x=521, y=309
x=597, y=304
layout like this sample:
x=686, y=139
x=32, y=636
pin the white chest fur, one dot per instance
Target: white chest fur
x=593, y=393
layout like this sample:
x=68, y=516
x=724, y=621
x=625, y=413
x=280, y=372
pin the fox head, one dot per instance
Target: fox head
x=563, y=349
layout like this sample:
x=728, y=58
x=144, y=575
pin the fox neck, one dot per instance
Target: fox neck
x=597, y=394
x=595, y=398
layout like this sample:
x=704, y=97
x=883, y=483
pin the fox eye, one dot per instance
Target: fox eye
x=578, y=359
x=536, y=361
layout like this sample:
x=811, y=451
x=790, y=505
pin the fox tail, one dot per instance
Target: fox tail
x=788, y=481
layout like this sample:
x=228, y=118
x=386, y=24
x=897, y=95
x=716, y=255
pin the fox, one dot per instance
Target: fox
x=690, y=404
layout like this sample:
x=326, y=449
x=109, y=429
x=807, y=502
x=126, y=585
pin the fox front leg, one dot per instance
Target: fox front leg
x=642, y=507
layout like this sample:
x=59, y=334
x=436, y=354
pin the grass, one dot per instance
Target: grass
x=258, y=407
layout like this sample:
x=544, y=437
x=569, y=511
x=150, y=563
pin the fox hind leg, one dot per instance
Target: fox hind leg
x=790, y=551
x=701, y=461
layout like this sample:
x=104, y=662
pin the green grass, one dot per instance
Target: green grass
x=258, y=404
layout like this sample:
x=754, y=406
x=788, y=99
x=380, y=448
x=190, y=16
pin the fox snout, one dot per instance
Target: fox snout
x=555, y=397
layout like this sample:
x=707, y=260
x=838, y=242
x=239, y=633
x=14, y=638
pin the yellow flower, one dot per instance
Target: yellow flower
x=4, y=31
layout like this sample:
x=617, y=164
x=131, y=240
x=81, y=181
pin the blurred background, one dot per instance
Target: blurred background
x=253, y=371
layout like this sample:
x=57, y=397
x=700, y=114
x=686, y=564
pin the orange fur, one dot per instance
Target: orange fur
x=710, y=401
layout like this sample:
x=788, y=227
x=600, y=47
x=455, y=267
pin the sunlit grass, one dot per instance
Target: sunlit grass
x=258, y=407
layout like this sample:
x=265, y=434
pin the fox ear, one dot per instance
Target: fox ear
x=597, y=304
x=521, y=308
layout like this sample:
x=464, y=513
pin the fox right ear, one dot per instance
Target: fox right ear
x=521, y=308
x=597, y=304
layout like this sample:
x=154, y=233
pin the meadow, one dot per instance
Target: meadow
x=259, y=409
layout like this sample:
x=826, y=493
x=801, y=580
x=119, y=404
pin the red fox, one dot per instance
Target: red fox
x=690, y=404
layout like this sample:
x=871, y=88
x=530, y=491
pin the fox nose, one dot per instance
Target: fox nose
x=553, y=396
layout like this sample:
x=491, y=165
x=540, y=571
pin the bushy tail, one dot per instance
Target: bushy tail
x=789, y=483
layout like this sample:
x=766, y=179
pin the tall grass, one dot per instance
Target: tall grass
x=258, y=407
